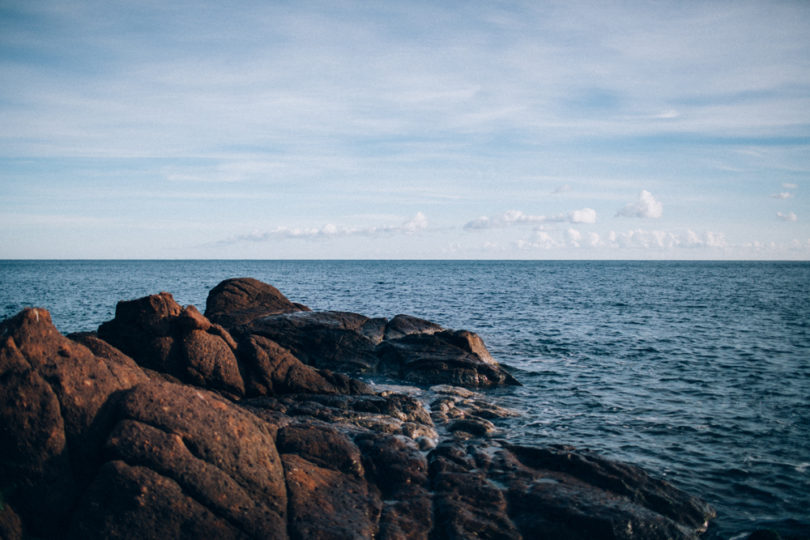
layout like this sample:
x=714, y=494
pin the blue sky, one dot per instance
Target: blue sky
x=530, y=130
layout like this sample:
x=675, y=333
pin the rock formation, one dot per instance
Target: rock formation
x=240, y=424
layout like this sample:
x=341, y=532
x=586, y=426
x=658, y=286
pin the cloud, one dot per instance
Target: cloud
x=790, y=216
x=788, y=185
x=645, y=207
x=418, y=223
x=561, y=189
x=516, y=217
x=782, y=195
x=656, y=239
x=631, y=239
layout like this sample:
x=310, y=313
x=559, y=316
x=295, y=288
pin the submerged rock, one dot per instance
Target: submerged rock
x=167, y=425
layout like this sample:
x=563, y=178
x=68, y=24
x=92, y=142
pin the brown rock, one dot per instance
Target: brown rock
x=240, y=300
x=56, y=410
x=133, y=502
x=328, y=504
x=271, y=369
x=221, y=455
x=160, y=335
x=11, y=527
x=209, y=362
x=321, y=445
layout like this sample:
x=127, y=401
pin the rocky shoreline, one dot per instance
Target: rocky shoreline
x=248, y=421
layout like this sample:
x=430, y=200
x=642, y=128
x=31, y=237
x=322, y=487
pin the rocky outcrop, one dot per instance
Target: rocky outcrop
x=166, y=425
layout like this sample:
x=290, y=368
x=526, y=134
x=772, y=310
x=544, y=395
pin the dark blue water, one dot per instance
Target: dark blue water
x=697, y=371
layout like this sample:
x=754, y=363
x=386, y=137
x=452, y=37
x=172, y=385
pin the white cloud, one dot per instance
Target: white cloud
x=516, y=217
x=586, y=215
x=788, y=185
x=655, y=239
x=645, y=207
x=418, y=223
x=782, y=195
x=574, y=237
x=634, y=239
x=790, y=216
x=561, y=189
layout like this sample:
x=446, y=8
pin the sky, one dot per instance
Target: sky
x=405, y=130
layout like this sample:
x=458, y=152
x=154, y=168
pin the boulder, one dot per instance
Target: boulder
x=213, y=465
x=56, y=398
x=240, y=300
x=161, y=335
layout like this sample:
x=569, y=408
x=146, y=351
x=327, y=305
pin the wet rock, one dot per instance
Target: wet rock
x=238, y=301
x=466, y=503
x=160, y=335
x=399, y=469
x=623, y=480
x=476, y=427
x=385, y=413
x=557, y=493
x=440, y=359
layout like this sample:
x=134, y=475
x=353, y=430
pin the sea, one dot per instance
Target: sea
x=697, y=371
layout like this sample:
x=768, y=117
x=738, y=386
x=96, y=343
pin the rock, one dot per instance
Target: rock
x=466, y=503
x=56, y=400
x=477, y=427
x=327, y=504
x=399, y=470
x=321, y=445
x=160, y=335
x=11, y=527
x=438, y=359
x=390, y=413
x=271, y=369
x=406, y=347
x=221, y=455
x=329, y=339
x=240, y=300
x=621, y=479
x=134, y=502
x=405, y=325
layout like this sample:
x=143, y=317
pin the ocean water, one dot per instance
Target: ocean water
x=697, y=371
